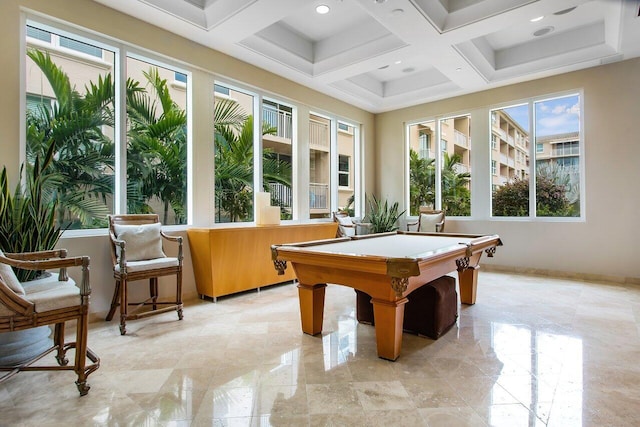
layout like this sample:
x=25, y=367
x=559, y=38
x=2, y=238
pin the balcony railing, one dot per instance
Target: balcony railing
x=280, y=194
x=461, y=139
x=318, y=196
x=460, y=168
x=281, y=120
x=318, y=135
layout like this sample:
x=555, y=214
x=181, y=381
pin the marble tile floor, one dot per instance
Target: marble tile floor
x=533, y=351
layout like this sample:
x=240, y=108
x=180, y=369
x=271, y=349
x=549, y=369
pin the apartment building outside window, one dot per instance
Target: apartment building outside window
x=556, y=166
x=446, y=185
x=343, y=170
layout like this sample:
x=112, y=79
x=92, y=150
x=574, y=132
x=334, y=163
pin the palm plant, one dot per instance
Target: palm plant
x=422, y=182
x=234, y=162
x=84, y=156
x=157, y=148
x=456, y=197
x=382, y=216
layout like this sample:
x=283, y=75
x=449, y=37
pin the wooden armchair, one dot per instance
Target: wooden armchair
x=137, y=254
x=350, y=226
x=429, y=221
x=52, y=300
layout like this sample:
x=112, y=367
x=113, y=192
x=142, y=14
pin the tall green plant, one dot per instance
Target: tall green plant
x=234, y=145
x=28, y=215
x=157, y=148
x=84, y=155
x=382, y=216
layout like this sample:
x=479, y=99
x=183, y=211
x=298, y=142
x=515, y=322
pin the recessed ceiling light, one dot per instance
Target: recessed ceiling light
x=459, y=69
x=543, y=31
x=383, y=67
x=379, y=1
x=563, y=11
x=322, y=9
x=539, y=18
x=398, y=62
x=397, y=12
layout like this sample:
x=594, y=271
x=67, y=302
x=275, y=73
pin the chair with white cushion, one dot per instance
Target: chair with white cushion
x=429, y=221
x=137, y=254
x=53, y=299
x=350, y=226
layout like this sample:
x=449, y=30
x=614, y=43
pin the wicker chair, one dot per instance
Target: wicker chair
x=429, y=221
x=52, y=300
x=137, y=254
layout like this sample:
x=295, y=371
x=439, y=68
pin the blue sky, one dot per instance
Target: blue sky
x=553, y=116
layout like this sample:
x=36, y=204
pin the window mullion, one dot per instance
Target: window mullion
x=120, y=149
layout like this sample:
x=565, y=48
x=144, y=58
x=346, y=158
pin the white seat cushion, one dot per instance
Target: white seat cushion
x=59, y=296
x=143, y=241
x=151, y=264
x=45, y=283
x=345, y=220
x=9, y=278
x=428, y=222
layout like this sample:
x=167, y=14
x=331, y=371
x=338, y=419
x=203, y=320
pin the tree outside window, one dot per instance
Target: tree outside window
x=76, y=115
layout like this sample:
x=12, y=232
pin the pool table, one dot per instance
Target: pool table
x=388, y=267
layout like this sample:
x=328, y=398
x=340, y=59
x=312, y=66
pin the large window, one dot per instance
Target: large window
x=456, y=165
x=156, y=141
x=422, y=168
x=236, y=146
x=510, y=160
x=319, y=166
x=554, y=144
x=118, y=120
x=234, y=158
x=278, y=145
x=70, y=104
x=442, y=182
x=347, y=154
x=71, y=91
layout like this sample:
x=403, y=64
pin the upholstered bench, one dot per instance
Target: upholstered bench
x=431, y=310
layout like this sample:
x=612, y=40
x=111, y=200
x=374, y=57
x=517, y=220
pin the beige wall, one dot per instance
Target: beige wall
x=605, y=243
x=209, y=66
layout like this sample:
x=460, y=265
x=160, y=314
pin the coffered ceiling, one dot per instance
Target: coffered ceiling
x=387, y=54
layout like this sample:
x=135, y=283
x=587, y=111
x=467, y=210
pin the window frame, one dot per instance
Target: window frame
x=439, y=147
x=533, y=150
x=121, y=51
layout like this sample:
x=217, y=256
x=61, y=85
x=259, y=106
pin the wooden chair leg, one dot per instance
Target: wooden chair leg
x=179, y=294
x=81, y=354
x=115, y=301
x=153, y=291
x=58, y=342
x=124, y=304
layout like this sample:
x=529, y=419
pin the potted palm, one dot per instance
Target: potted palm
x=382, y=216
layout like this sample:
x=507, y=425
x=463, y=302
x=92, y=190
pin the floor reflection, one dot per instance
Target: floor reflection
x=534, y=364
x=244, y=361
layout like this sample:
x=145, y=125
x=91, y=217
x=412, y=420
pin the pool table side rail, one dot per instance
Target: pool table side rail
x=400, y=267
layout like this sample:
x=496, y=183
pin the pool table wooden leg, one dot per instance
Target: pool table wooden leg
x=389, y=318
x=311, y=307
x=468, y=280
